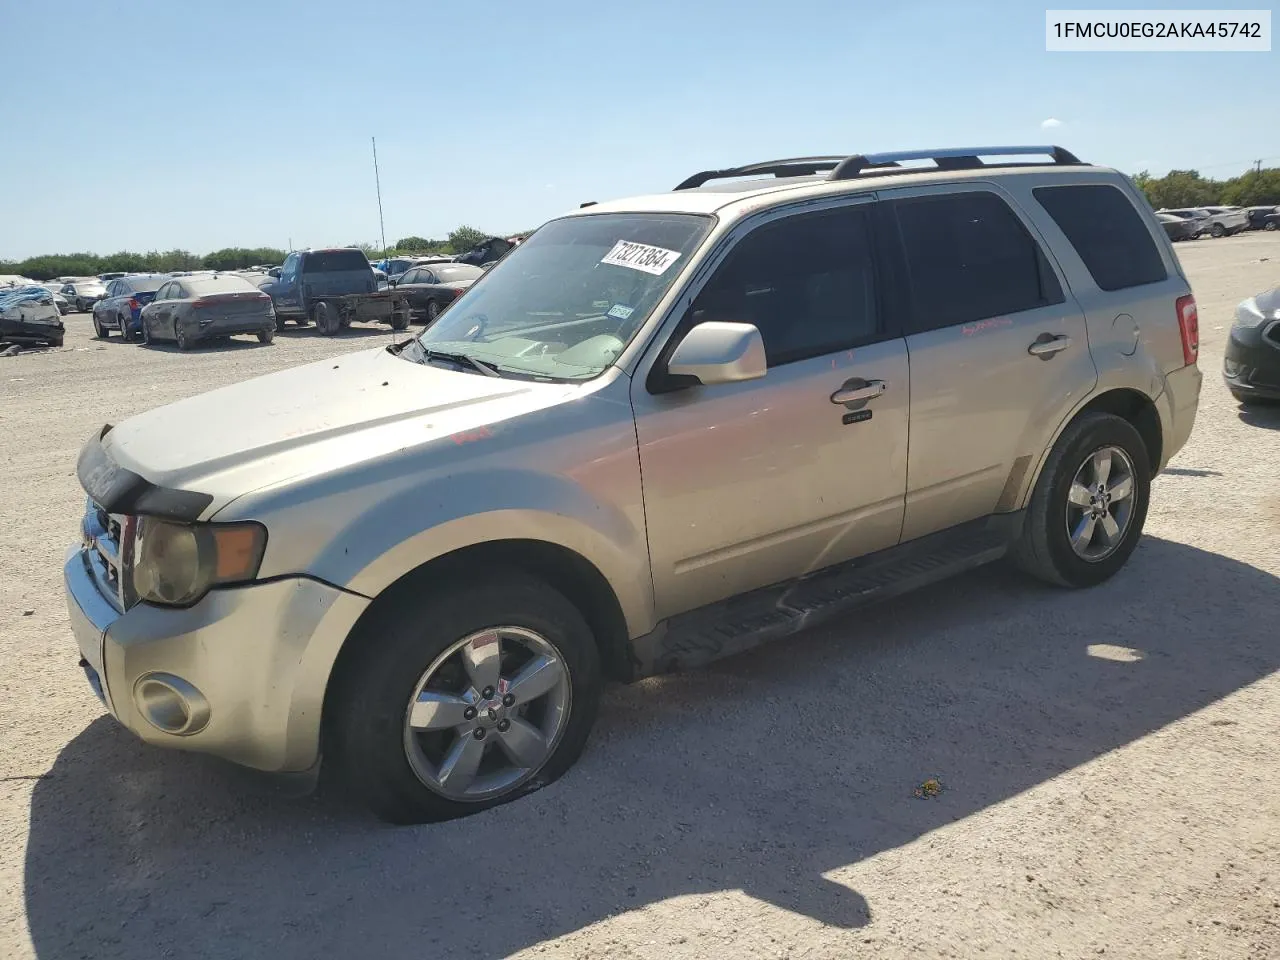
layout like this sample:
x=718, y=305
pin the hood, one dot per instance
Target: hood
x=312, y=420
x=1269, y=302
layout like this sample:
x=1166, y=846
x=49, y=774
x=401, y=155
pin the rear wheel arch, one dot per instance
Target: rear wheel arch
x=1124, y=402
x=569, y=573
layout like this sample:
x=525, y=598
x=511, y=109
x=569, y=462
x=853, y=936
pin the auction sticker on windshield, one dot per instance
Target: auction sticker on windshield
x=641, y=256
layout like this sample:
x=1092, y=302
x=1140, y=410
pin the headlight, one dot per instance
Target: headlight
x=176, y=563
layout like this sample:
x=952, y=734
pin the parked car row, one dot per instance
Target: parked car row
x=1214, y=221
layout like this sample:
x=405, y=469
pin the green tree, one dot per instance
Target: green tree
x=1257, y=188
x=420, y=245
x=464, y=238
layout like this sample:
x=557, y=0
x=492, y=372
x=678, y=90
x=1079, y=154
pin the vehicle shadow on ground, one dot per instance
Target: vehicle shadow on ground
x=760, y=774
x=347, y=333
x=246, y=341
x=1266, y=415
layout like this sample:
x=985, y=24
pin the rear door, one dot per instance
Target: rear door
x=999, y=353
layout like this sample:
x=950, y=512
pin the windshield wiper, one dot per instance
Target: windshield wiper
x=462, y=360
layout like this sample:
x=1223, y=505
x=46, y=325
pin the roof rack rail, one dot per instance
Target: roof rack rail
x=793, y=167
x=849, y=167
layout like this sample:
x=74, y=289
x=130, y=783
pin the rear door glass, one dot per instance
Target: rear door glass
x=968, y=258
x=1108, y=233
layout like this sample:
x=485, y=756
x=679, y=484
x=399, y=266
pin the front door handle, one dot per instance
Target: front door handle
x=871, y=390
x=1046, y=345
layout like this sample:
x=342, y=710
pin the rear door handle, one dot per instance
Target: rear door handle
x=1046, y=345
x=870, y=391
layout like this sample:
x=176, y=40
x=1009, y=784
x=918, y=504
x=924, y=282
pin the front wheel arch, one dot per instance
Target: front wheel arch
x=577, y=578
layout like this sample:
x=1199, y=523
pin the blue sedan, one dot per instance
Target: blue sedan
x=121, y=308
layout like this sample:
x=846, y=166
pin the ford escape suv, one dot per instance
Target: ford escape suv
x=659, y=431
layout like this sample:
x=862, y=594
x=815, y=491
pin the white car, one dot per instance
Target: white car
x=1224, y=221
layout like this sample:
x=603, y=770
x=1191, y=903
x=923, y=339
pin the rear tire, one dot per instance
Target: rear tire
x=1271, y=225
x=99, y=331
x=266, y=336
x=146, y=333
x=126, y=332
x=325, y=318
x=181, y=337
x=400, y=320
x=366, y=719
x=433, y=311
x=57, y=342
x=1218, y=231
x=1044, y=549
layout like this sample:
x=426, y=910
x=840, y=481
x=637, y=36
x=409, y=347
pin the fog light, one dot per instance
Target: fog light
x=1230, y=368
x=170, y=704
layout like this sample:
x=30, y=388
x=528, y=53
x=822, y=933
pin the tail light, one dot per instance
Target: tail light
x=134, y=304
x=1189, y=328
x=457, y=293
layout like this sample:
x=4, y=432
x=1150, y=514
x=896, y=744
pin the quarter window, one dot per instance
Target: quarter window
x=969, y=257
x=1107, y=232
x=806, y=282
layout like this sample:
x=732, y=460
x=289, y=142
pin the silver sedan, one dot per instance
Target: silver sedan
x=189, y=309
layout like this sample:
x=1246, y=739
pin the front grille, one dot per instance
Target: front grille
x=106, y=548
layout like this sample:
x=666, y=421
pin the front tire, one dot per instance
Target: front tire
x=429, y=722
x=1271, y=225
x=99, y=331
x=1218, y=231
x=1089, y=504
x=433, y=311
x=180, y=336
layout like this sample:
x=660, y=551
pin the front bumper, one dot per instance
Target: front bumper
x=257, y=658
x=1251, y=362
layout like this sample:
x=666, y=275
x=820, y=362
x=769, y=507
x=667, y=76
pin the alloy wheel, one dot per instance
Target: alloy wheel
x=487, y=714
x=1100, y=504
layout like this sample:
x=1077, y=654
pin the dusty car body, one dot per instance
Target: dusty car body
x=29, y=315
x=660, y=431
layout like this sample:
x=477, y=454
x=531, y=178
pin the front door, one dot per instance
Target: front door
x=750, y=484
x=999, y=352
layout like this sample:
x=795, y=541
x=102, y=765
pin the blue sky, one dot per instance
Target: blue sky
x=152, y=124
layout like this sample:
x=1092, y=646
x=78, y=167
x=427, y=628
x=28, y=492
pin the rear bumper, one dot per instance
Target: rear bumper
x=1177, y=406
x=1251, y=361
x=253, y=662
x=226, y=328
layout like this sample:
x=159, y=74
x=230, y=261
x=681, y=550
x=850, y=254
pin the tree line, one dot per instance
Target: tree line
x=50, y=266
x=1186, y=188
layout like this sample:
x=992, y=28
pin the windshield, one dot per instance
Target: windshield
x=145, y=284
x=563, y=304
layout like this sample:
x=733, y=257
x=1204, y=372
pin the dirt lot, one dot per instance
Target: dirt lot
x=1108, y=758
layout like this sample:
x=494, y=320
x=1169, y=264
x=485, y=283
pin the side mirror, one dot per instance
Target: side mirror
x=274, y=272
x=716, y=352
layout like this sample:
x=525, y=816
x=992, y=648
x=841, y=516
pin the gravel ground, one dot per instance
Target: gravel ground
x=1107, y=758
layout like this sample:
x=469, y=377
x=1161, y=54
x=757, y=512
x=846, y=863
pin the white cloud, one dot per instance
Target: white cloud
x=1050, y=123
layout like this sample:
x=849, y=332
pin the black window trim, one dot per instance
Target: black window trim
x=658, y=381
x=895, y=250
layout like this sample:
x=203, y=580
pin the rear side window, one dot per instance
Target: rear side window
x=1107, y=232
x=333, y=261
x=969, y=258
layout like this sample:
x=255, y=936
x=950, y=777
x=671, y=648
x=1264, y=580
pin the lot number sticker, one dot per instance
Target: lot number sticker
x=641, y=256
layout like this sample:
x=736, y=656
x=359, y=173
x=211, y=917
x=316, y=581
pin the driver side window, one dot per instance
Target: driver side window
x=807, y=282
